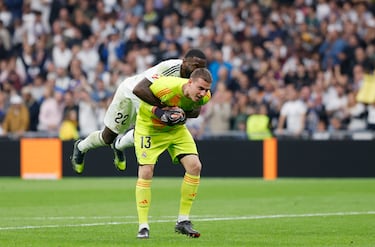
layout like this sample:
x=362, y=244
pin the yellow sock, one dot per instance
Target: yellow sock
x=189, y=190
x=143, y=199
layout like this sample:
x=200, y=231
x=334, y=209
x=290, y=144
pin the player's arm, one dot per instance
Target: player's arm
x=143, y=91
x=170, y=115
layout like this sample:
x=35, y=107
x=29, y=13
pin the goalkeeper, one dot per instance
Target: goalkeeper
x=159, y=129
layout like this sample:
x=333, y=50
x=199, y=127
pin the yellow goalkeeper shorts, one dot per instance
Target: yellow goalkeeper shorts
x=149, y=146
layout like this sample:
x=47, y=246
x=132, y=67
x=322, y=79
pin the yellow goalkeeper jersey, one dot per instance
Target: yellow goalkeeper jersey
x=169, y=90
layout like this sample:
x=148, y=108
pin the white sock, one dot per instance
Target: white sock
x=182, y=218
x=143, y=225
x=93, y=140
x=125, y=141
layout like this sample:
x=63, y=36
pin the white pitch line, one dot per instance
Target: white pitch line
x=254, y=217
x=44, y=218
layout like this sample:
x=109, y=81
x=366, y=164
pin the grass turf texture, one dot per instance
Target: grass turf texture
x=228, y=212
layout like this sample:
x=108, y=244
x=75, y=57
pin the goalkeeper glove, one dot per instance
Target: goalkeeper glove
x=170, y=117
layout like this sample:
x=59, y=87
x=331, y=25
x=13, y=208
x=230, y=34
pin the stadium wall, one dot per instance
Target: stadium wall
x=220, y=158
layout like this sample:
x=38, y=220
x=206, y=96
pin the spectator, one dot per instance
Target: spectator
x=316, y=116
x=77, y=76
x=33, y=107
x=15, y=7
x=17, y=37
x=51, y=112
x=150, y=15
x=100, y=91
x=5, y=15
x=5, y=41
x=336, y=128
x=241, y=111
x=82, y=22
x=38, y=88
x=190, y=31
x=347, y=56
x=26, y=62
x=40, y=27
x=100, y=72
x=88, y=56
x=258, y=125
x=61, y=54
x=218, y=111
x=331, y=48
x=215, y=67
x=358, y=77
x=69, y=106
x=88, y=120
x=113, y=49
x=292, y=114
x=68, y=129
x=17, y=118
x=14, y=80
x=360, y=58
x=354, y=114
x=62, y=80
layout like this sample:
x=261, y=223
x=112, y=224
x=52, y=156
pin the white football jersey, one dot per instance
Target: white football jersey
x=170, y=67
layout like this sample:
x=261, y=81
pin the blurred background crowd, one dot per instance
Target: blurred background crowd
x=280, y=68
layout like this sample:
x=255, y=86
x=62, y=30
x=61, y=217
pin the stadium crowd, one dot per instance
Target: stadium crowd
x=300, y=63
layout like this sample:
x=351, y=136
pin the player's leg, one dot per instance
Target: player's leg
x=120, y=116
x=147, y=149
x=126, y=140
x=185, y=151
x=143, y=198
x=118, y=149
x=93, y=140
x=189, y=189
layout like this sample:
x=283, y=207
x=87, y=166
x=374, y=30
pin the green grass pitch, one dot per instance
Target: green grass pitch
x=231, y=212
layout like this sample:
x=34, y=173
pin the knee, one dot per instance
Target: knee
x=192, y=165
x=195, y=168
x=146, y=172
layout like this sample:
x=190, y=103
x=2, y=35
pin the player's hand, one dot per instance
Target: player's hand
x=171, y=115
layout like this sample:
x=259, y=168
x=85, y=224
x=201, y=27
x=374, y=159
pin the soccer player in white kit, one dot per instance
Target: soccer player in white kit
x=122, y=111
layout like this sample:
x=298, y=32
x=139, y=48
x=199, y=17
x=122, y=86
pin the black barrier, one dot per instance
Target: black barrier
x=9, y=157
x=219, y=159
x=326, y=158
x=226, y=158
x=231, y=158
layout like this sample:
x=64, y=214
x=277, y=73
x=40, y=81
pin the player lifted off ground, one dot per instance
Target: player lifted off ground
x=159, y=129
x=122, y=111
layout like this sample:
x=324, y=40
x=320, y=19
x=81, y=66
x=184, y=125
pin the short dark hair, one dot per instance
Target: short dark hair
x=203, y=73
x=195, y=53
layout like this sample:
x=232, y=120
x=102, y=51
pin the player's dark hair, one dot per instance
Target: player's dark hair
x=195, y=53
x=203, y=73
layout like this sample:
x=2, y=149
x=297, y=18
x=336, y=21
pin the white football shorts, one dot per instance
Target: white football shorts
x=122, y=112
